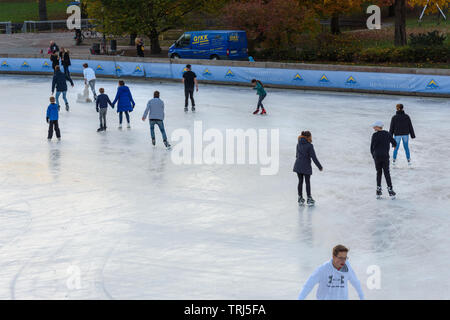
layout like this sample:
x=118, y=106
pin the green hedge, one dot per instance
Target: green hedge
x=440, y=54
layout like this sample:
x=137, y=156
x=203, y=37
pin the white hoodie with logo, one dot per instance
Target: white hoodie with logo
x=333, y=283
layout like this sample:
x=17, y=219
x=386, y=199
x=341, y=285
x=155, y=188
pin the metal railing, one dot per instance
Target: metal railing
x=6, y=27
x=52, y=25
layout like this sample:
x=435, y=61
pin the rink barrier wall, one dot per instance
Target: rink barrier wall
x=435, y=84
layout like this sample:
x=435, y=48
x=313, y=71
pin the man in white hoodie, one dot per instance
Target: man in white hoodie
x=333, y=277
x=89, y=78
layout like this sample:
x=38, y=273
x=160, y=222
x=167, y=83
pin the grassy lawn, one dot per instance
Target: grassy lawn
x=19, y=11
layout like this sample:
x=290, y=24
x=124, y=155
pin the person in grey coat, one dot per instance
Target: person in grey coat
x=155, y=113
x=303, y=168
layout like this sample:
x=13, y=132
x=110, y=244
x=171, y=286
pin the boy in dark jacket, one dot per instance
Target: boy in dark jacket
x=52, y=119
x=102, y=108
x=305, y=152
x=401, y=128
x=379, y=148
x=59, y=82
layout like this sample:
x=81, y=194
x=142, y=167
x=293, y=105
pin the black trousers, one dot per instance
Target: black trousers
x=189, y=93
x=53, y=124
x=382, y=165
x=307, y=178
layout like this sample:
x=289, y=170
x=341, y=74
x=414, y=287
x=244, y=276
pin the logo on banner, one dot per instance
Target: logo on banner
x=99, y=68
x=351, y=80
x=432, y=85
x=138, y=69
x=229, y=74
x=298, y=77
x=25, y=65
x=184, y=70
x=4, y=64
x=45, y=65
x=324, y=79
x=207, y=72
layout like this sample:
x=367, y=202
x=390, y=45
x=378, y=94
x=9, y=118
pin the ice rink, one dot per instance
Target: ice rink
x=108, y=216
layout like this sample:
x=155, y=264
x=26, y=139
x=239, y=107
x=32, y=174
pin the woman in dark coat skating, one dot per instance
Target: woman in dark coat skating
x=303, y=168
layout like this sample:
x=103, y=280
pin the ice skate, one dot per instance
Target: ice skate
x=263, y=112
x=392, y=194
x=409, y=163
x=67, y=107
x=394, y=163
x=119, y=127
x=100, y=129
x=154, y=142
x=256, y=112
x=379, y=193
x=186, y=109
x=193, y=109
x=301, y=201
x=128, y=126
x=168, y=146
x=310, y=202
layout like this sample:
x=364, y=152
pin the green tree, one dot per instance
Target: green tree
x=146, y=17
x=43, y=10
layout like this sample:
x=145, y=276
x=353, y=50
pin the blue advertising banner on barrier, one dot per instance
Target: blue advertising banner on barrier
x=430, y=84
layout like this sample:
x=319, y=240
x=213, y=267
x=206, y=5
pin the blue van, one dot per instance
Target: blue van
x=211, y=44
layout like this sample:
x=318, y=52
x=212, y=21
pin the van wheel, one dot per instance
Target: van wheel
x=175, y=56
x=215, y=57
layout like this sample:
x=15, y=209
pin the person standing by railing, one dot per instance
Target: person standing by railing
x=65, y=60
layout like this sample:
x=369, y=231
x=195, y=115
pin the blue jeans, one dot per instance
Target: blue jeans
x=160, y=124
x=58, y=93
x=405, y=140
x=260, y=100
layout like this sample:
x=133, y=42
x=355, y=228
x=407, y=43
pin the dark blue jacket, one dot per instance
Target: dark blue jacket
x=401, y=125
x=305, y=152
x=59, y=81
x=103, y=101
x=379, y=147
x=52, y=112
x=124, y=99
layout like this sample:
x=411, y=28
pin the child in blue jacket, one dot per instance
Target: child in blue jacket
x=52, y=119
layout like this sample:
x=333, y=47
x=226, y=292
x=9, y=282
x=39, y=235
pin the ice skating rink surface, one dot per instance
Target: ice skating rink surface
x=107, y=216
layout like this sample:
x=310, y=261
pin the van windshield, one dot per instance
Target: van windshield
x=184, y=40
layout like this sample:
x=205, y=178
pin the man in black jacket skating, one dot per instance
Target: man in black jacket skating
x=59, y=82
x=401, y=128
x=379, y=148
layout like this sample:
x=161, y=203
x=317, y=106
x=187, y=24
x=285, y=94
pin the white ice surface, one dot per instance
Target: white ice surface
x=140, y=227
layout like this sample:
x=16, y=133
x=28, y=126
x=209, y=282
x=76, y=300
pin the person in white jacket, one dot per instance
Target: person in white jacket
x=89, y=78
x=333, y=277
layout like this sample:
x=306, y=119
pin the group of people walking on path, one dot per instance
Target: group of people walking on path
x=400, y=129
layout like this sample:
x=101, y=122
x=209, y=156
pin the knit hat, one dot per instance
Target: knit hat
x=378, y=124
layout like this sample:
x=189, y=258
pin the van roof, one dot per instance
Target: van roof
x=215, y=31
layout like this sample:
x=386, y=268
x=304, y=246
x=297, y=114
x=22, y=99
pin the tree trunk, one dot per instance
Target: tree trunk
x=132, y=39
x=391, y=11
x=43, y=10
x=400, y=23
x=155, y=47
x=335, y=29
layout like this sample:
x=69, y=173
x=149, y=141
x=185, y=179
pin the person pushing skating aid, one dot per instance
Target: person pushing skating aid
x=379, y=148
